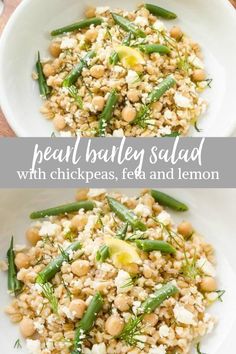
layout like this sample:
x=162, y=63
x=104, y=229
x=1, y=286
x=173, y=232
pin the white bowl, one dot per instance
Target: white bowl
x=211, y=212
x=211, y=23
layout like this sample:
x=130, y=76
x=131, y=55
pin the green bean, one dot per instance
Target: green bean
x=77, y=26
x=121, y=233
x=87, y=322
x=161, y=89
x=63, y=209
x=43, y=86
x=159, y=11
x=55, y=265
x=106, y=115
x=168, y=201
x=128, y=26
x=156, y=299
x=73, y=76
x=103, y=253
x=14, y=285
x=126, y=214
x=154, y=48
x=155, y=245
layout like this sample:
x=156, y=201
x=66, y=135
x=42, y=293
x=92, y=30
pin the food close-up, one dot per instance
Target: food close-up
x=120, y=73
x=111, y=273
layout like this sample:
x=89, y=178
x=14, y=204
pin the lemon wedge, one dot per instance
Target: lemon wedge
x=122, y=253
x=129, y=57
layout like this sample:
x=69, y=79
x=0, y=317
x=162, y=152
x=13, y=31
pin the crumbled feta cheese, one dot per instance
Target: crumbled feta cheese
x=159, y=25
x=206, y=267
x=37, y=287
x=164, y=218
x=69, y=314
x=165, y=130
x=102, y=9
x=182, y=101
x=195, y=61
x=118, y=69
x=93, y=192
x=141, y=21
x=132, y=78
x=164, y=331
x=142, y=210
x=48, y=229
x=182, y=315
x=122, y=282
x=92, y=220
x=141, y=341
x=136, y=307
x=118, y=133
x=39, y=325
x=168, y=114
x=161, y=349
x=33, y=346
x=68, y=43
x=99, y=349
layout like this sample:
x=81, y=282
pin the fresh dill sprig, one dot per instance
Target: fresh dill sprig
x=198, y=349
x=64, y=254
x=131, y=282
x=173, y=236
x=17, y=344
x=196, y=128
x=209, y=82
x=131, y=331
x=189, y=267
x=48, y=292
x=137, y=235
x=73, y=92
x=220, y=294
x=142, y=117
x=68, y=292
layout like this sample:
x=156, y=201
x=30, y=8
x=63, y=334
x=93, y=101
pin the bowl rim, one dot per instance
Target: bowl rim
x=7, y=108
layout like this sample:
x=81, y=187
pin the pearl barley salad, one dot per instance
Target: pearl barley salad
x=111, y=274
x=120, y=73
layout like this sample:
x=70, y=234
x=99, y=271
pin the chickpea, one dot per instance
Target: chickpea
x=208, y=284
x=151, y=319
x=90, y=12
x=97, y=71
x=133, y=95
x=131, y=268
x=98, y=103
x=48, y=70
x=114, y=325
x=27, y=327
x=139, y=68
x=198, y=75
x=32, y=235
x=78, y=222
x=80, y=267
x=121, y=302
x=82, y=194
x=150, y=70
x=128, y=114
x=91, y=35
x=22, y=260
x=176, y=33
x=59, y=122
x=55, y=49
x=185, y=229
x=157, y=106
x=77, y=307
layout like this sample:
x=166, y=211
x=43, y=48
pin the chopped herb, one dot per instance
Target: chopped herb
x=131, y=282
x=53, y=135
x=142, y=117
x=64, y=254
x=209, y=82
x=198, y=349
x=68, y=292
x=17, y=344
x=189, y=267
x=73, y=92
x=196, y=127
x=49, y=294
x=220, y=294
x=131, y=330
x=171, y=135
x=70, y=236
